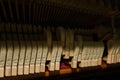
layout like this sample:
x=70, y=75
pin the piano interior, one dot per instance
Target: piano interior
x=59, y=39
